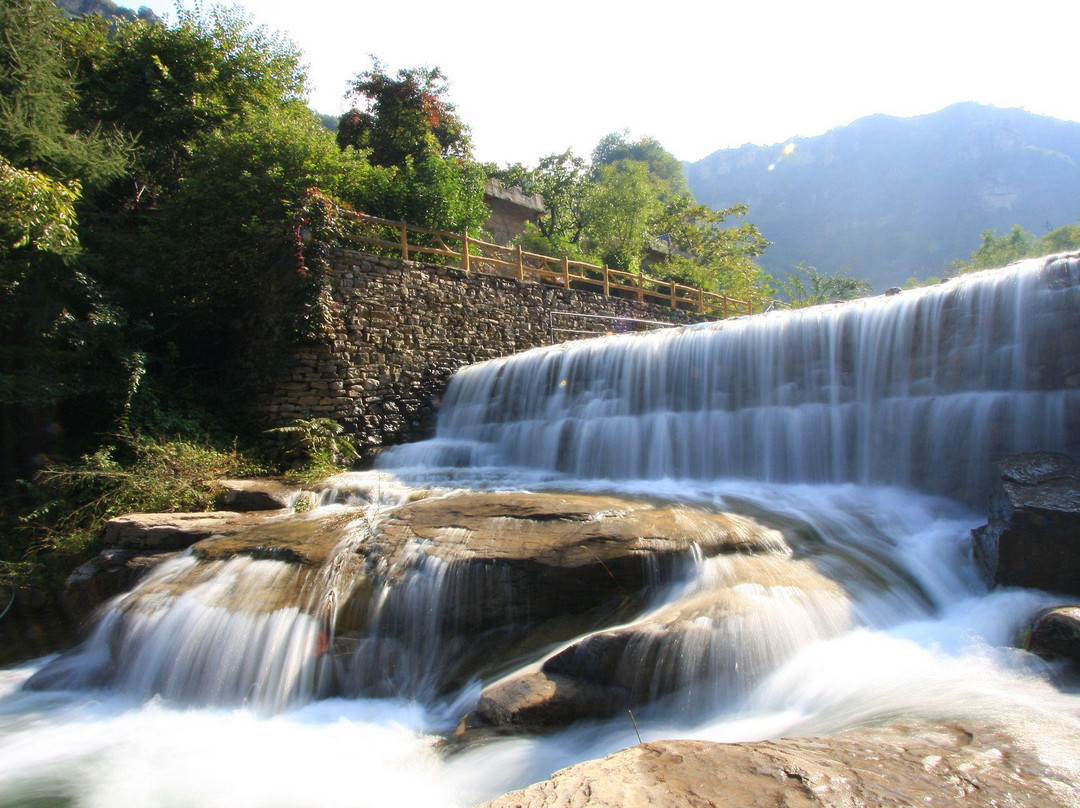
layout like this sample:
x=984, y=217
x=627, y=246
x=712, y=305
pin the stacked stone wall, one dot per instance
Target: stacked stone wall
x=396, y=331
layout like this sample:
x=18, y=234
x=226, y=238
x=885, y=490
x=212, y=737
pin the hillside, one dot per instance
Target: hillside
x=887, y=198
x=106, y=8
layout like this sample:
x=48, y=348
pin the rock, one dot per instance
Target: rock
x=306, y=539
x=256, y=495
x=1055, y=634
x=541, y=699
x=1033, y=535
x=531, y=556
x=155, y=532
x=889, y=766
x=893, y=290
x=708, y=644
x=106, y=575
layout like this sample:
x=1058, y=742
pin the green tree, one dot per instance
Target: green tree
x=706, y=249
x=664, y=168
x=218, y=243
x=1062, y=239
x=168, y=85
x=809, y=286
x=563, y=181
x=403, y=116
x=619, y=212
x=37, y=212
x=996, y=251
x=37, y=98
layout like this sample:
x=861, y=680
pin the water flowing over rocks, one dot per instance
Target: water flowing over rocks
x=1033, y=536
x=903, y=765
x=436, y=591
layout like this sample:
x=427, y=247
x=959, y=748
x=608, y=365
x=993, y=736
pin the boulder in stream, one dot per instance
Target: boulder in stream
x=1033, y=536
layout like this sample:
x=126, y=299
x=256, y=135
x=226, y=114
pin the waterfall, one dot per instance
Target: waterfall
x=823, y=436
x=923, y=389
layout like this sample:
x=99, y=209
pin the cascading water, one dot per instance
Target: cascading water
x=837, y=428
x=925, y=390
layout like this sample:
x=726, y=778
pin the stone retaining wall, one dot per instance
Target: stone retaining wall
x=396, y=332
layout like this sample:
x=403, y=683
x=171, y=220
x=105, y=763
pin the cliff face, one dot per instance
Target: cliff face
x=887, y=198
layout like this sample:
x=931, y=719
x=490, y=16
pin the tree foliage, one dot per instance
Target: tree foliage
x=36, y=212
x=167, y=85
x=1018, y=243
x=809, y=286
x=403, y=116
x=631, y=209
x=665, y=170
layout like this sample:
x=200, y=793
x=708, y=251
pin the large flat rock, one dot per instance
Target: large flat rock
x=900, y=766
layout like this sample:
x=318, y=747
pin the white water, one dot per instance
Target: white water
x=210, y=706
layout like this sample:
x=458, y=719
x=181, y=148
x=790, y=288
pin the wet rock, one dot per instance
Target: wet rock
x=539, y=700
x=307, y=539
x=1033, y=535
x=256, y=495
x=1055, y=634
x=110, y=573
x=900, y=765
x=532, y=556
x=156, y=532
x=706, y=645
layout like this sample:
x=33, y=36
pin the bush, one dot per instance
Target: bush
x=73, y=501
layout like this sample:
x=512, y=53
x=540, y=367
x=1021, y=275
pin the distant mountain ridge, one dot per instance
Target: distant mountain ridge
x=887, y=198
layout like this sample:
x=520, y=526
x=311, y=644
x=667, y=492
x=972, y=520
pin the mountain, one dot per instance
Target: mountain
x=887, y=198
x=106, y=8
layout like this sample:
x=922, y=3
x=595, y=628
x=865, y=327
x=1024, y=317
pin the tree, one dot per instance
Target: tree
x=404, y=116
x=664, y=168
x=168, y=85
x=1062, y=239
x=619, y=210
x=563, y=181
x=37, y=98
x=228, y=228
x=706, y=250
x=996, y=251
x=809, y=286
x=37, y=212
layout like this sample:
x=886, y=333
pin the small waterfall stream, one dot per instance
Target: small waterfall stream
x=858, y=439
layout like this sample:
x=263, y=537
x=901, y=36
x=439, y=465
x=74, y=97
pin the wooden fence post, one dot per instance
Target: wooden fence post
x=700, y=300
x=723, y=307
x=674, y=298
x=521, y=264
x=566, y=272
x=641, y=285
x=465, y=251
x=404, y=241
x=607, y=282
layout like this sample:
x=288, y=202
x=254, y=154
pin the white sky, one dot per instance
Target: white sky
x=533, y=79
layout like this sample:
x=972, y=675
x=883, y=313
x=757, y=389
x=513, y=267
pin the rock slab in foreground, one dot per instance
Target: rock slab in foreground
x=892, y=766
x=1033, y=536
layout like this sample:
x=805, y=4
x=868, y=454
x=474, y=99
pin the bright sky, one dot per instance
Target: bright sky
x=535, y=78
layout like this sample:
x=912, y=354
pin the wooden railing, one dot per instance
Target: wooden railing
x=408, y=241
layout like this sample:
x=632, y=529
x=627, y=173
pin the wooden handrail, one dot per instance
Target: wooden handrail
x=558, y=270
